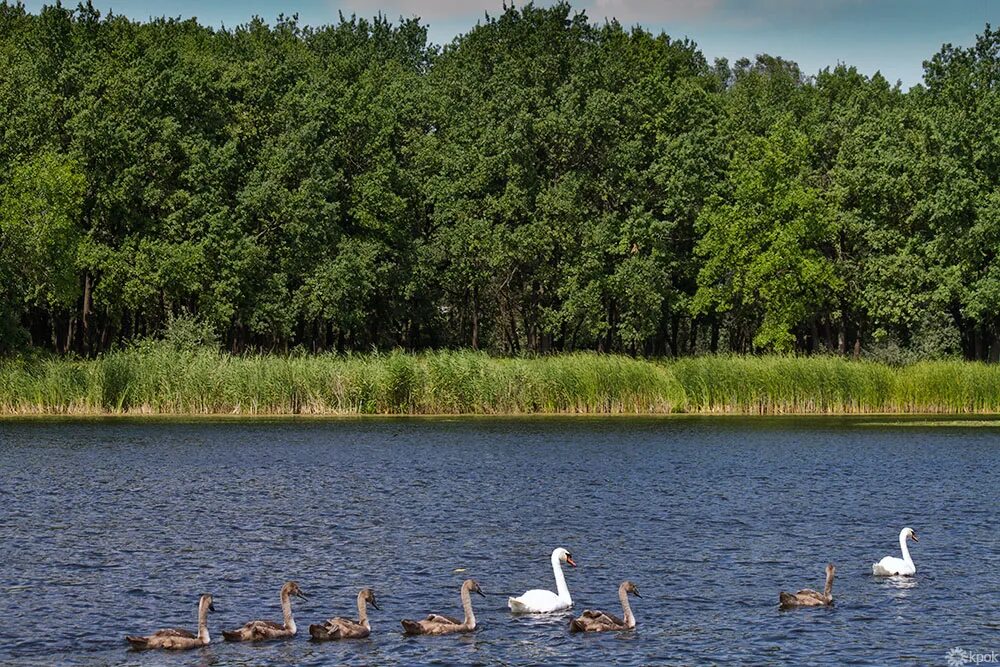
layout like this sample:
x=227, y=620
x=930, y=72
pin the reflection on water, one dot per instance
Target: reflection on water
x=898, y=587
x=115, y=527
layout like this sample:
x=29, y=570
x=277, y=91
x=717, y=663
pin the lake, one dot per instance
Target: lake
x=114, y=527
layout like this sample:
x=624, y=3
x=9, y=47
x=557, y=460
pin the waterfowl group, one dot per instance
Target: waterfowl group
x=534, y=601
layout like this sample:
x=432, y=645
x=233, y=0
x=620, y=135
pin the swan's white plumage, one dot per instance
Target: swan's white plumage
x=538, y=601
x=891, y=566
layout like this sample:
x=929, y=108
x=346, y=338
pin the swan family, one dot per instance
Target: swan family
x=535, y=601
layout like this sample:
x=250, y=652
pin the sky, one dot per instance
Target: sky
x=890, y=36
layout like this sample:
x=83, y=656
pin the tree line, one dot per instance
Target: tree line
x=542, y=183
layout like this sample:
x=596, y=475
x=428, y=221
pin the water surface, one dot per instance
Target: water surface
x=110, y=527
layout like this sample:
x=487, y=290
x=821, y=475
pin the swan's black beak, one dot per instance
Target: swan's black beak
x=301, y=595
x=375, y=604
x=636, y=591
x=211, y=606
x=480, y=591
x=914, y=536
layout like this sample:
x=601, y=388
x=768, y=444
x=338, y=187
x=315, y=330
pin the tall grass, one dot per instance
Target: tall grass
x=776, y=385
x=163, y=381
x=948, y=387
x=158, y=380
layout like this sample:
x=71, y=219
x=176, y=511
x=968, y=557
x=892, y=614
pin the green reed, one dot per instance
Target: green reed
x=158, y=380
x=775, y=384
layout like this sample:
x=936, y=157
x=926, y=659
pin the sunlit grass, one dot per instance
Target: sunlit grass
x=948, y=387
x=158, y=380
x=161, y=381
x=777, y=385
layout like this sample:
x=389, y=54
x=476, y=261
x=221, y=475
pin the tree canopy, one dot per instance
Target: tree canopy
x=542, y=183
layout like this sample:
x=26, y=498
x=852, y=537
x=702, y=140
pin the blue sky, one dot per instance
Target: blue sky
x=892, y=36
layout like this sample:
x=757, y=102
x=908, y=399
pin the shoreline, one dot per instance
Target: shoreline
x=888, y=418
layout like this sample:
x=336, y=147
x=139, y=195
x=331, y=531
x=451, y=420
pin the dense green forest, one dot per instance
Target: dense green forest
x=543, y=183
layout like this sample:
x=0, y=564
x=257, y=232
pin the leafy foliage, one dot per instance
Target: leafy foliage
x=542, y=183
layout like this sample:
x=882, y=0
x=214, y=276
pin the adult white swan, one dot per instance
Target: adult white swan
x=537, y=601
x=890, y=566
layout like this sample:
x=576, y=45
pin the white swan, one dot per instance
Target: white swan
x=890, y=565
x=537, y=601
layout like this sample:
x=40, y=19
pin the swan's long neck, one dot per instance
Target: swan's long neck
x=286, y=609
x=828, y=589
x=203, y=624
x=562, y=590
x=363, y=610
x=470, y=618
x=902, y=547
x=626, y=607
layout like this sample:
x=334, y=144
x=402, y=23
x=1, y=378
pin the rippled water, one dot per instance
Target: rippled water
x=115, y=527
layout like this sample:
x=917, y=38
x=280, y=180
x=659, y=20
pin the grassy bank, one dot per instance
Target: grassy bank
x=161, y=381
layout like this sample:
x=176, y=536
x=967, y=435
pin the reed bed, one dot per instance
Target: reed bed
x=159, y=380
x=780, y=385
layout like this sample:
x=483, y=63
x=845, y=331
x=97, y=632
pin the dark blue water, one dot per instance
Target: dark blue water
x=115, y=527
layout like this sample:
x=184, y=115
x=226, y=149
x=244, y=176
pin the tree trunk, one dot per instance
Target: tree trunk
x=675, y=323
x=515, y=343
x=475, y=318
x=70, y=334
x=85, y=313
x=612, y=324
